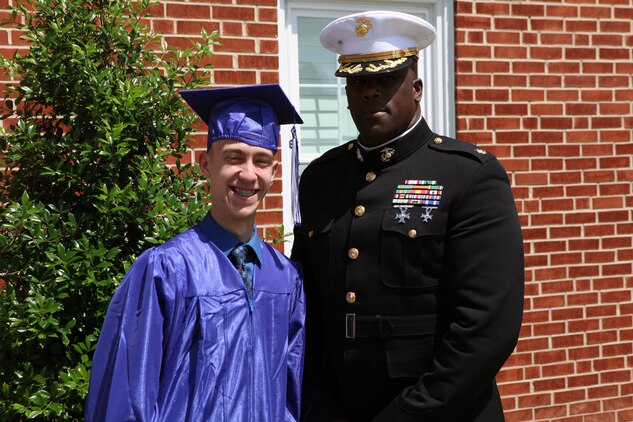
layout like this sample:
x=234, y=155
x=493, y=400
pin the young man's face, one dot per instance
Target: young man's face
x=385, y=105
x=240, y=176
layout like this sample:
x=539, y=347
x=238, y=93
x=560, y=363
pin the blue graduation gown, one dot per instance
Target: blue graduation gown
x=179, y=342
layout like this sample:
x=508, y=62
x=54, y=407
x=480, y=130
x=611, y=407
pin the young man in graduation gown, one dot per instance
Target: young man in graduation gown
x=411, y=249
x=209, y=326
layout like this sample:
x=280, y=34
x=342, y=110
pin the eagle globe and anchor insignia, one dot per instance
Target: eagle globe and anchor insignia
x=363, y=26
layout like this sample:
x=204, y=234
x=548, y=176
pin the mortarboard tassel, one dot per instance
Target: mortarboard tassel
x=294, y=145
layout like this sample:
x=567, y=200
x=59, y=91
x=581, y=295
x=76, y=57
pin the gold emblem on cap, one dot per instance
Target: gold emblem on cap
x=363, y=25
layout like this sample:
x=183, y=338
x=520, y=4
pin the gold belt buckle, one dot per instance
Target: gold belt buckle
x=350, y=326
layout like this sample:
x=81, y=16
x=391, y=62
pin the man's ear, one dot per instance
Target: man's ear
x=275, y=166
x=203, y=162
x=417, y=88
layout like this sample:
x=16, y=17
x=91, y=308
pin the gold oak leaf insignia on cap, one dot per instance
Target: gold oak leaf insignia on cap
x=388, y=64
x=351, y=68
x=363, y=25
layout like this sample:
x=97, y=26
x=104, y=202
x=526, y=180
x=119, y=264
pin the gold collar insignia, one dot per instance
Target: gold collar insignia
x=387, y=153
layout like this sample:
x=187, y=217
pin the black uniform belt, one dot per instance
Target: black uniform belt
x=381, y=326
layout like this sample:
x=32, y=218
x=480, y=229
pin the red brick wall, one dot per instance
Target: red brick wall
x=547, y=86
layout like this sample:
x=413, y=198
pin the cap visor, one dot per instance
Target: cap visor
x=373, y=68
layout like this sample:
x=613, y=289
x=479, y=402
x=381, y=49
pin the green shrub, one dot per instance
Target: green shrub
x=94, y=177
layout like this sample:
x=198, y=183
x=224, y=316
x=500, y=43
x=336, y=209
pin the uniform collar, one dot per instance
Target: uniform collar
x=224, y=240
x=396, y=149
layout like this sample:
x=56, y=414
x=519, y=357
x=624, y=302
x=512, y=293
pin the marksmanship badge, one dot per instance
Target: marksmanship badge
x=427, y=216
x=403, y=215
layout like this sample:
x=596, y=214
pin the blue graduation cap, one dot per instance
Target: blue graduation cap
x=250, y=114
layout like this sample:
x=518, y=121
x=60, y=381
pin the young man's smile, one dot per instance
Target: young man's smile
x=243, y=192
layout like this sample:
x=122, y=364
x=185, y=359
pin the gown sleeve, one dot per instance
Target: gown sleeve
x=126, y=366
x=296, y=344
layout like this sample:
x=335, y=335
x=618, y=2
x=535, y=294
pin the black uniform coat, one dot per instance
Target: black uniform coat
x=411, y=311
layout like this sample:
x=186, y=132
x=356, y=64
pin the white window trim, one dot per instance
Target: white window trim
x=438, y=61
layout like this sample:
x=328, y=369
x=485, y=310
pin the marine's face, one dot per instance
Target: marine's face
x=384, y=105
x=240, y=176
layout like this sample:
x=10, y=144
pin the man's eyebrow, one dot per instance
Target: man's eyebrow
x=232, y=149
x=262, y=154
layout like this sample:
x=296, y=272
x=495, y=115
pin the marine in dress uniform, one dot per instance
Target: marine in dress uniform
x=411, y=251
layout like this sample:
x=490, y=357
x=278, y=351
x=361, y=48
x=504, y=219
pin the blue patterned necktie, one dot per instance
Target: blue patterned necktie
x=238, y=258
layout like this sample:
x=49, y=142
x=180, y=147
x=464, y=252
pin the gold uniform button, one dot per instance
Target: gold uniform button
x=412, y=233
x=352, y=253
x=359, y=211
x=311, y=233
x=350, y=297
x=370, y=176
x=437, y=141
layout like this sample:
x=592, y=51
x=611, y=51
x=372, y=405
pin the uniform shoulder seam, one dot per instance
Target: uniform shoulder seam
x=451, y=145
x=331, y=154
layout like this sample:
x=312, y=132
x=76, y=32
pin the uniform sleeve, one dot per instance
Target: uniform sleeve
x=125, y=373
x=317, y=404
x=483, y=289
x=296, y=346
